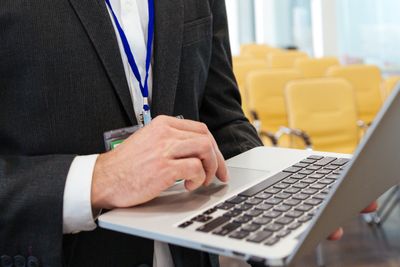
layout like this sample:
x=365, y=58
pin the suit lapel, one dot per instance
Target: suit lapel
x=97, y=22
x=167, y=54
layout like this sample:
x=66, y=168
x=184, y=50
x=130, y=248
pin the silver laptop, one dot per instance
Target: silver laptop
x=279, y=203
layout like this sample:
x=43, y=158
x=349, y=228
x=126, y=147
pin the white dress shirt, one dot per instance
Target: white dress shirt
x=77, y=210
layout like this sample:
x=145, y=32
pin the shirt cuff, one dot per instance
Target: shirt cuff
x=77, y=208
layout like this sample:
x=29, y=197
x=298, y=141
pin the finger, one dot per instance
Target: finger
x=371, y=208
x=200, y=148
x=190, y=169
x=182, y=124
x=222, y=170
x=337, y=235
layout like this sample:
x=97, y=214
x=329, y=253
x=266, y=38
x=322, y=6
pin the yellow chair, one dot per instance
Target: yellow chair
x=325, y=111
x=265, y=94
x=389, y=84
x=315, y=67
x=241, y=70
x=241, y=59
x=284, y=60
x=258, y=51
x=366, y=81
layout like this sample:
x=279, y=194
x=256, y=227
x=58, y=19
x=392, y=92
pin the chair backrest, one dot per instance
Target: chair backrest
x=265, y=93
x=258, y=51
x=326, y=110
x=241, y=71
x=315, y=67
x=366, y=81
x=284, y=60
x=389, y=84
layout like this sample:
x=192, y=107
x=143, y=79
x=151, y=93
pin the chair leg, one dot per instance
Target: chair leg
x=320, y=256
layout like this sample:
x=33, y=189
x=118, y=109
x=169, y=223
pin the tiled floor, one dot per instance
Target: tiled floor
x=362, y=246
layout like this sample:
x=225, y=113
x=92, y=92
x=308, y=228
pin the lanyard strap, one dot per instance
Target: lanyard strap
x=144, y=87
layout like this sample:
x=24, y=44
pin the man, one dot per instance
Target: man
x=66, y=78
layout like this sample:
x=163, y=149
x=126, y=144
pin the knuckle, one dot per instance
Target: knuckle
x=203, y=128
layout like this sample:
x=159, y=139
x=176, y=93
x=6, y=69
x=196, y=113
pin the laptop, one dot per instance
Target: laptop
x=279, y=203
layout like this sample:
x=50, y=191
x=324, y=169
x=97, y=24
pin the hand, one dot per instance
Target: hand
x=152, y=159
x=338, y=234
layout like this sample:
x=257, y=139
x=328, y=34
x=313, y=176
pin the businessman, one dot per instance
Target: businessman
x=66, y=77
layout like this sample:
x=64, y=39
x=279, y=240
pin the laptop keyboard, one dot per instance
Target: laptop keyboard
x=272, y=209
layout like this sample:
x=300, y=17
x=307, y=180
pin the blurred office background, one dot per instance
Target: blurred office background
x=341, y=54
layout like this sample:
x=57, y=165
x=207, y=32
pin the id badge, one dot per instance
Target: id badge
x=114, y=138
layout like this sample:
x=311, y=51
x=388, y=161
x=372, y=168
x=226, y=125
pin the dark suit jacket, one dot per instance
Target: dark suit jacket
x=62, y=84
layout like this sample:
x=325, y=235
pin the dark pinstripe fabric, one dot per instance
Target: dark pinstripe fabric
x=62, y=84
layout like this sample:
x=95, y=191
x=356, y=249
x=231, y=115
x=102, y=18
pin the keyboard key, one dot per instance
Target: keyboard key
x=301, y=165
x=326, y=191
x=301, y=196
x=243, y=219
x=291, y=190
x=232, y=213
x=294, y=226
x=208, y=227
x=292, y=202
x=306, y=172
x=259, y=237
x=333, y=176
x=272, y=190
x=309, y=181
x=281, y=186
x=298, y=176
x=210, y=211
x=308, y=161
x=185, y=224
x=254, y=213
x=254, y=190
x=294, y=214
x=316, y=176
x=313, y=168
x=263, y=207
x=309, y=191
x=273, y=201
x=304, y=208
x=262, y=220
x=313, y=202
x=225, y=206
x=272, y=214
x=239, y=234
x=305, y=218
x=263, y=195
x=250, y=227
x=316, y=157
x=237, y=200
x=340, y=162
x=292, y=169
x=244, y=207
x=283, y=195
x=283, y=233
x=273, y=227
x=202, y=218
x=282, y=208
x=324, y=171
x=318, y=186
x=284, y=220
x=300, y=185
x=271, y=241
x=289, y=181
x=327, y=181
x=320, y=196
x=332, y=167
x=325, y=161
x=254, y=201
x=227, y=228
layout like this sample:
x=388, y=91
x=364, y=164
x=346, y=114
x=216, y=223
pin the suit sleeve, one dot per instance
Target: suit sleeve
x=31, y=206
x=221, y=107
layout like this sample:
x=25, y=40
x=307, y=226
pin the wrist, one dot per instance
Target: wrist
x=100, y=190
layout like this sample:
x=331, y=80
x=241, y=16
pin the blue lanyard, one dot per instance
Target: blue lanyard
x=144, y=87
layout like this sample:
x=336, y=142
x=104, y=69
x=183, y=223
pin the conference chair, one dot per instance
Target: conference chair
x=265, y=91
x=366, y=81
x=258, y=51
x=315, y=67
x=325, y=111
x=241, y=70
x=284, y=60
x=389, y=84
